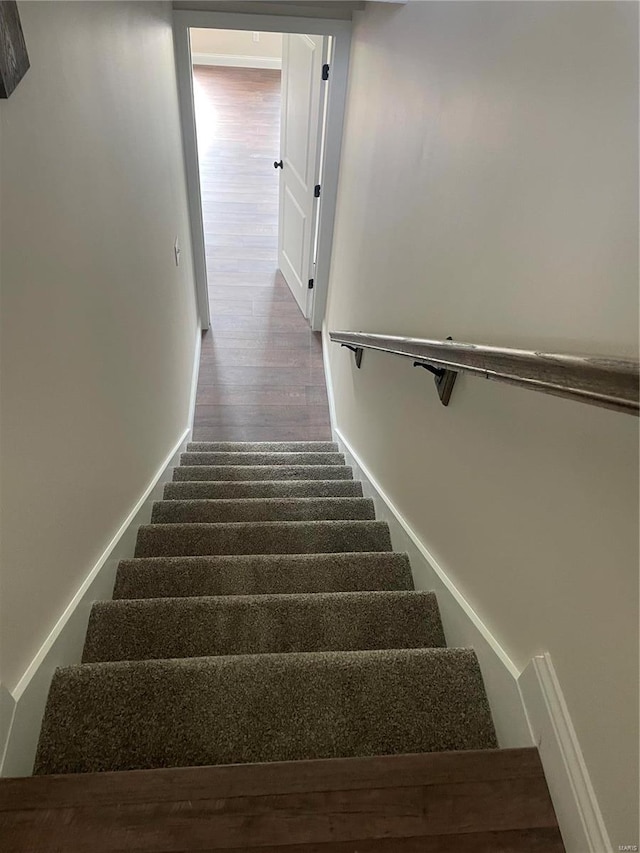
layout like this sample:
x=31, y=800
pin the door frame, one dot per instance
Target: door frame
x=183, y=21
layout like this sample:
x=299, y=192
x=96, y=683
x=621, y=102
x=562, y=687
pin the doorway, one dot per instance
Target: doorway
x=318, y=223
x=259, y=101
x=261, y=371
x=261, y=375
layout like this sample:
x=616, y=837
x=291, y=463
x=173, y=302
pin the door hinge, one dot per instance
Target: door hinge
x=316, y=191
x=310, y=284
x=325, y=71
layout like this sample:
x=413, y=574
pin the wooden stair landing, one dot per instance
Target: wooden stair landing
x=485, y=801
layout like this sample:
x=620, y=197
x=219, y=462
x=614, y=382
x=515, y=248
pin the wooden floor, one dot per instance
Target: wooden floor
x=261, y=374
x=490, y=801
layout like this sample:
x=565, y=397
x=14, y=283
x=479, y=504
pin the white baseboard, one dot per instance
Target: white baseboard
x=22, y=709
x=236, y=61
x=574, y=799
x=63, y=646
x=527, y=705
x=7, y=711
x=331, y=398
x=195, y=371
x=462, y=626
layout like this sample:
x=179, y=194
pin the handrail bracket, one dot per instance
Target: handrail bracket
x=443, y=378
x=357, y=353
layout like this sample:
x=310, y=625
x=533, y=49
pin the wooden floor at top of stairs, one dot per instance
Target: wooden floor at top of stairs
x=261, y=372
x=489, y=801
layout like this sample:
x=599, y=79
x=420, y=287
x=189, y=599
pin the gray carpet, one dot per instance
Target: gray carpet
x=262, y=537
x=231, y=489
x=251, y=624
x=271, y=458
x=249, y=574
x=240, y=708
x=262, y=447
x=262, y=509
x=262, y=472
x=264, y=617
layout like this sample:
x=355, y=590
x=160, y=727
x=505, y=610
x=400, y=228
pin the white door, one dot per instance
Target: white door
x=303, y=93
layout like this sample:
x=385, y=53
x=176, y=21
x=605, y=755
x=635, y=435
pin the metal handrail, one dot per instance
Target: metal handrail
x=612, y=383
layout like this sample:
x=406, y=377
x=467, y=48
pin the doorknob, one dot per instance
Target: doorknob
x=278, y=164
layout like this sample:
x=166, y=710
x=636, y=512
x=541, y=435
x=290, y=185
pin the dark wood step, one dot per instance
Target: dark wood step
x=492, y=801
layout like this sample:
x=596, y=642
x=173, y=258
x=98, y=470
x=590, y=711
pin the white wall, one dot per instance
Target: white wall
x=98, y=324
x=235, y=43
x=488, y=191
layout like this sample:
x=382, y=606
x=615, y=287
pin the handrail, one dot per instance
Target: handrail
x=605, y=381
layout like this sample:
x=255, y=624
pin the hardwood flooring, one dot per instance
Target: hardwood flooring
x=489, y=801
x=261, y=374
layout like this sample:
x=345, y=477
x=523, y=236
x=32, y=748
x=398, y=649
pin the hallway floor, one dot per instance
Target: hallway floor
x=261, y=373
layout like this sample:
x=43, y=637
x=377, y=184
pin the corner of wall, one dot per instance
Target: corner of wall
x=572, y=793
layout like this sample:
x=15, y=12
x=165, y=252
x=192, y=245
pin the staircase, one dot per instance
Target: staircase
x=265, y=618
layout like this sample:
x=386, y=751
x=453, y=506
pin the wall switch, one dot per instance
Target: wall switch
x=256, y=37
x=176, y=251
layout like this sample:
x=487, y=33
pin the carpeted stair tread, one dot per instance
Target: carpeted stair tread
x=262, y=447
x=210, y=490
x=261, y=509
x=264, y=617
x=170, y=577
x=254, y=708
x=262, y=472
x=272, y=458
x=143, y=629
x=262, y=537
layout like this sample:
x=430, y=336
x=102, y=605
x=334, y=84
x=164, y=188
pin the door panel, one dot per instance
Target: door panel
x=294, y=223
x=301, y=128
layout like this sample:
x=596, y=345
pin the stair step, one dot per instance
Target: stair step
x=262, y=447
x=210, y=490
x=255, y=708
x=261, y=537
x=459, y=802
x=170, y=577
x=256, y=624
x=262, y=472
x=449, y=802
x=261, y=509
x=237, y=458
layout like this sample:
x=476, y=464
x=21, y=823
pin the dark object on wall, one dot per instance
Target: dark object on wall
x=14, y=60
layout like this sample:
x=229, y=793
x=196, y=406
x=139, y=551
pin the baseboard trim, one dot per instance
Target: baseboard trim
x=409, y=535
x=63, y=646
x=528, y=706
x=326, y=363
x=579, y=816
x=236, y=61
x=195, y=372
x=7, y=712
x=22, y=708
x=462, y=625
